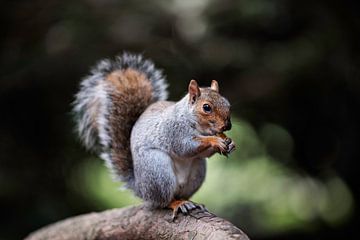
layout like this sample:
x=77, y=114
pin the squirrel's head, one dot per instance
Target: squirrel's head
x=210, y=108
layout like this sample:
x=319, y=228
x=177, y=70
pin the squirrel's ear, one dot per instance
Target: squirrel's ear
x=214, y=85
x=194, y=91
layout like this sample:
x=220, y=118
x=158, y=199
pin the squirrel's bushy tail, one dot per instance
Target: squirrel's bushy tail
x=110, y=101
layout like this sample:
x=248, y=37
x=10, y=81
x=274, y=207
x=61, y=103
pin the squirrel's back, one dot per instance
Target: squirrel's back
x=110, y=101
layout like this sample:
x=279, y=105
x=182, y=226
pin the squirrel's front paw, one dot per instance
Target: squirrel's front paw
x=230, y=145
x=221, y=146
x=219, y=143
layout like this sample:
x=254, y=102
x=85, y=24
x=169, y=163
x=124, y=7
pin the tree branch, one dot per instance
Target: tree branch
x=140, y=223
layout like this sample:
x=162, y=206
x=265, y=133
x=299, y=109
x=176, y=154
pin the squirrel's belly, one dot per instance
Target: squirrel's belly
x=182, y=169
x=190, y=174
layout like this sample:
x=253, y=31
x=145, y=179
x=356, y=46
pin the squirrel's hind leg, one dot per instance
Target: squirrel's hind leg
x=155, y=181
x=196, y=178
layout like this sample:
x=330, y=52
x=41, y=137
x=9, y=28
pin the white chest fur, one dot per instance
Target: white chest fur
x=182, y=169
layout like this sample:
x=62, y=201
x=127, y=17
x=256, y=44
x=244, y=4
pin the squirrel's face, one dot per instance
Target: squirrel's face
x=210, y=108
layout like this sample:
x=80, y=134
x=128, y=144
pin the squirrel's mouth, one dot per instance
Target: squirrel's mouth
x=214, y=132
x=209, y=131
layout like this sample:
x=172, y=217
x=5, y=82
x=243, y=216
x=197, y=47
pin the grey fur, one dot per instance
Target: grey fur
x=166, y=161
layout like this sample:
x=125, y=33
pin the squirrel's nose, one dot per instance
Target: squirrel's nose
x=227, y=125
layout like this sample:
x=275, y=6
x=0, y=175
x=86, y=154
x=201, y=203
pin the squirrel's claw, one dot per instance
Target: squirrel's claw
x=174, y=213
x=222, y=147
x=202, y=207
x=190, y=205
x=226, y=145
x=231, y=147
x=228, y=141
x=185, y=207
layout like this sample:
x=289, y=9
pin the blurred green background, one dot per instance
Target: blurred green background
x=289, y=68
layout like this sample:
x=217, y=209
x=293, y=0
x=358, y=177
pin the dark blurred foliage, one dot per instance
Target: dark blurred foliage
x=292, y=63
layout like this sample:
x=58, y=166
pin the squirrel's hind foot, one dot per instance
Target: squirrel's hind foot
x=184, y=206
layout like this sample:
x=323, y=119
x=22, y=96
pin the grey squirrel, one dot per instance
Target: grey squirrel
x=157, y=147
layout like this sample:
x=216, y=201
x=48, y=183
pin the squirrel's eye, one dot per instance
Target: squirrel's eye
x=207, y=108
